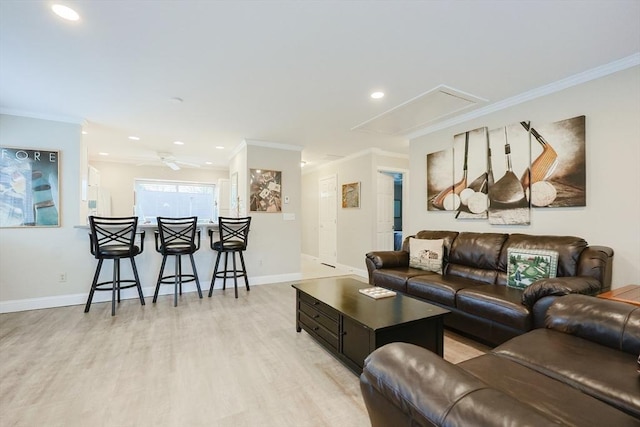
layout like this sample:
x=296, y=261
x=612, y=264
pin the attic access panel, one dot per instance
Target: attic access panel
x=424, y=110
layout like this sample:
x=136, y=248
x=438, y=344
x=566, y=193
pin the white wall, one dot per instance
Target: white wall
x=612, y=108
x=356, y=227
x=31, y=258
x=274, y=241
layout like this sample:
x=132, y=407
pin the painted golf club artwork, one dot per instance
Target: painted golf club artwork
x=471, y=151
x=508, y=203
x=440, y=185
x=499, y=174
x=558, y=168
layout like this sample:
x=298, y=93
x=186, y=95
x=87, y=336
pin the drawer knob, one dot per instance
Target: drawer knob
x=316, y=316
x=316, y=328
x=316, y=303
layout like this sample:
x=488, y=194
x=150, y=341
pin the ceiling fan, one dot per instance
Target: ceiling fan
x=171, y=162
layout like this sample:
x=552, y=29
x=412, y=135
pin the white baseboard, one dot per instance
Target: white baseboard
x=131, y=293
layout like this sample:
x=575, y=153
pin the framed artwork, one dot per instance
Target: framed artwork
x=351, y=195
x=265, y=192
x=29, y=187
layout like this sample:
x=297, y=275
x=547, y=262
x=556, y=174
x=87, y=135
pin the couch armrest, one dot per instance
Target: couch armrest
x=403, y=384
x=559, y=286
x=597, y=262
x=610, y=323
x=389, y=259
x=385, y=259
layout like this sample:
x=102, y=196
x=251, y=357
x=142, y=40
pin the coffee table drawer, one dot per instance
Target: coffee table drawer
x=320, y=306
x=315, y=329
x=320, y=317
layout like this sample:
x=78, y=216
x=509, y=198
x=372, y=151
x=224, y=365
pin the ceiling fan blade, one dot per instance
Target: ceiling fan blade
x=193, y=165
x=172, y=165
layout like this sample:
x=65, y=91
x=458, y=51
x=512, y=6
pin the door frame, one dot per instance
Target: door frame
x=334, y=260
x=405, y=195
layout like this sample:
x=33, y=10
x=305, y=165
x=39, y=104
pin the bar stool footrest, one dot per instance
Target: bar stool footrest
x=108, y=285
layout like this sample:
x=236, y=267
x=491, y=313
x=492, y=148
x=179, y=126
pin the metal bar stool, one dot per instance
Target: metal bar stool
x=234, y=233
x=177, y=237
x=114, y=238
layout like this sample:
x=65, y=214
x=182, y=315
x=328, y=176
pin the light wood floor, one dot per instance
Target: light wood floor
x=211, y=362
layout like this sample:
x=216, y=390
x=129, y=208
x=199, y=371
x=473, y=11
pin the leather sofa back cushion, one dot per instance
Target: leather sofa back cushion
x=477, y=250
x=569, y=249
x=610, y=323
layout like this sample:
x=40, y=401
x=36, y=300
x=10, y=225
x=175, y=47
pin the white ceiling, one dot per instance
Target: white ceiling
x=291, y=72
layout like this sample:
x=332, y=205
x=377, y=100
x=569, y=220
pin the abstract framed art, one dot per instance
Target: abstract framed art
x=29, y=187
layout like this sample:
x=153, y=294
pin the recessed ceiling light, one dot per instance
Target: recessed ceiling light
x=377, y=95
x=65, y=12
x=103, y=154
x=134, y=138
x=302, y=163
x=178, y=142
x=208, y=163
x=84, y=132
x=219, y=147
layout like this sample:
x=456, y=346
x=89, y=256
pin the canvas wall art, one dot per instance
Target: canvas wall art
x=440, y=181
x=265, y=192
x=29, y=188
x=558, y=168
x=351, y=195
x=470, y=151
x=501, y=173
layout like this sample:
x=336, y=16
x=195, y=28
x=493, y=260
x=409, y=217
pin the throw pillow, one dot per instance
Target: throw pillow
x=525, y=266
x=426, y=254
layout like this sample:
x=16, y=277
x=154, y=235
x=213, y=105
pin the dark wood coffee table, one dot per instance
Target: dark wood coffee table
x=351, y=325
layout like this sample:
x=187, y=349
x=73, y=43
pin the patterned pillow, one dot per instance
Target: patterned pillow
x=525, y=266
x=426, y=254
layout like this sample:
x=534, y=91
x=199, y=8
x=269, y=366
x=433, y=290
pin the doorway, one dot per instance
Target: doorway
x=391, y=204
x=327, y=230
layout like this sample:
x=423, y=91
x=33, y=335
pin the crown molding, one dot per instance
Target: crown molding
x=42, y=116
x=574, y=80
x=275, y=145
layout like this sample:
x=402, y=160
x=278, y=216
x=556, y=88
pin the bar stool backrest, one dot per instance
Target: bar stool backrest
x=177, y=233
x=113, y=236
x=234, y=232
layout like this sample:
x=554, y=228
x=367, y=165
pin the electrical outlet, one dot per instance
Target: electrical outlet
x=62, y=277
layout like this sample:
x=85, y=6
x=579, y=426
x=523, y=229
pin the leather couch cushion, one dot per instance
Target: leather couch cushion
x=496, y=302
x=479, y=250
x=564, y=404
x=574, y=361
x=396, y=278
x=406, y=385
x=437, y=288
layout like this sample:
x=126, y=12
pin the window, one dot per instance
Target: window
x=154, y=198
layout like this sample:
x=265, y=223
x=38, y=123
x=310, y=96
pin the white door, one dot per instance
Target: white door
x=384, y=229
x=328, y=235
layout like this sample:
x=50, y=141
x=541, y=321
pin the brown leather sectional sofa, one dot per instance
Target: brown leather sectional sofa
x=473, y=283
x=580, y=370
